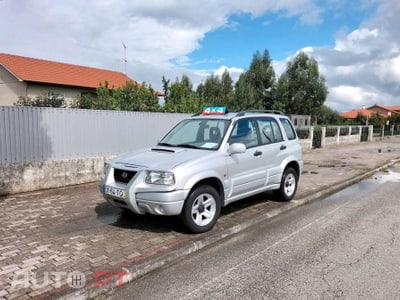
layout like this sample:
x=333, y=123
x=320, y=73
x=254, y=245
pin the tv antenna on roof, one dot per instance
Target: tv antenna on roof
x=125, y=60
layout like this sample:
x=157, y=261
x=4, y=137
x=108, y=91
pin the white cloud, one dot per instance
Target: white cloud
x=362, y=66
x=356, y=96
x=359, y=41
x=233, y=72
x=159, y=34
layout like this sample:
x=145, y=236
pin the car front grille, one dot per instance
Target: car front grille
x=123, y=175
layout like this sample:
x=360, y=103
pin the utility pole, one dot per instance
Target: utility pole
x=125, y=60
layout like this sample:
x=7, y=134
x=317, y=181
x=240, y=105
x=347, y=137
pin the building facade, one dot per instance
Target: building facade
x=30, y=77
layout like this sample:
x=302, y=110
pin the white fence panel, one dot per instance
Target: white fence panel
x=30, y=134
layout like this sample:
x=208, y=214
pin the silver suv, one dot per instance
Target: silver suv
x=206, y=162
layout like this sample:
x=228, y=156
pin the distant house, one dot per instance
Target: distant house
x=301, y=120
x=385, y=111
x=355, y=112
x=29, y=77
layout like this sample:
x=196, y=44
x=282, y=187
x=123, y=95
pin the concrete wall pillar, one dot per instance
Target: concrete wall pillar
x=323, y=135
x=370, y=133
x=311, y=137
x=338, y=135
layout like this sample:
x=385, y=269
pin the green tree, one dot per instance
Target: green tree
x=180, y=90
x=127, y=97
x=50, y=99
x=227, y=89
x=211, y=90
x=359, y=120
x=328, y=116
x=280, y=93
x=136, y=97
x=179, y=96
x=377, y=120
x=394, y=119
x=104, y=98
x=130, y=97
x=301, y=87
x=261, y=76
x=245, y=96
x=216, y=91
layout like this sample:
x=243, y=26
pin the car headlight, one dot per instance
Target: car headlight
x=106, y=168
x=160, y=177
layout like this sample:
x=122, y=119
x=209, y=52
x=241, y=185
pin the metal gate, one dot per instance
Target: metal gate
x=364, y=134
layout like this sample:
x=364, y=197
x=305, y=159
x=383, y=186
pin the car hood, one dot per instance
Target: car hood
x=159, y=158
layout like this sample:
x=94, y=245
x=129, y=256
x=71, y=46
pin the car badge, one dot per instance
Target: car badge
x=124, y=175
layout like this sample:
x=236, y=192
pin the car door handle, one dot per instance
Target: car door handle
x=283, y=147
x=257, y=153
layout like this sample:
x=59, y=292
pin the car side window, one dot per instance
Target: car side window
x=269, y=131
x=244, y=132
x=288, y=127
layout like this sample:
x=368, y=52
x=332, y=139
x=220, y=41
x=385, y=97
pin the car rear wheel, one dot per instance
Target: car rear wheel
x=201, y=209
x=288, y=186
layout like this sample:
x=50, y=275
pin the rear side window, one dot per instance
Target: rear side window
x=269, y=131
x=288, y=127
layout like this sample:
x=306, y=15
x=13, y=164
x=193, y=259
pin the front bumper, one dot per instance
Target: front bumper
x=167, y=204
x=155, y=203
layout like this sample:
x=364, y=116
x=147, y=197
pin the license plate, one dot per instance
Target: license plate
x=116, y=192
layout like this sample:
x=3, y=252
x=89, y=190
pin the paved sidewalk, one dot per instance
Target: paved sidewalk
x=53, y=241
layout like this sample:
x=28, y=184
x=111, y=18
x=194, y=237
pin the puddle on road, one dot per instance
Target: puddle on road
x=368, y=185
x=390, y=176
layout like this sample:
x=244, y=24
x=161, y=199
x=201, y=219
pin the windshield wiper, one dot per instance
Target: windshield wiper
x=187, y=146
x=165, y=144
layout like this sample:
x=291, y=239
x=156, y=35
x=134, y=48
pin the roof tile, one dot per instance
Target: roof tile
x=354, y=113
x=44, y=71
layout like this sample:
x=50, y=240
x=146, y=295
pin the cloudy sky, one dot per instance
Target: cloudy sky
x=355, y=42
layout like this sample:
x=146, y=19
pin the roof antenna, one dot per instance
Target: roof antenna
x=125, y=60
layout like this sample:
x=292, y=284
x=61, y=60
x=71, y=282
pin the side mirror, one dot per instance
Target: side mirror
x=237, y=148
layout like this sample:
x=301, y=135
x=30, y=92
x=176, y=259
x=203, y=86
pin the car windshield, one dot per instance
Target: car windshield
x=197, y=134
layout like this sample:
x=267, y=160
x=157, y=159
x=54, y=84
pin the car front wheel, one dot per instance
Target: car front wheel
x=288, y=186
x=201, y=209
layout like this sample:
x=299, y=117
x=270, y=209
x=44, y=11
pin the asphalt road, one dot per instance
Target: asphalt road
x=346, y=246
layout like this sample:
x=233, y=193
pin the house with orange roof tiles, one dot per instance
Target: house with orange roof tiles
x=385, y=111
x=355, y=112
x=30, y=77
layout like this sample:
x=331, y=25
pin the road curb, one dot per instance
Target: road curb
x=135, y=271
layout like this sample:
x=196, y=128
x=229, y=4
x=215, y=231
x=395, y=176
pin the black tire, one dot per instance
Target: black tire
x=201, y=209
x=288, y=186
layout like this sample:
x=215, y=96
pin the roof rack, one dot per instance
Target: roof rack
x=276, y=112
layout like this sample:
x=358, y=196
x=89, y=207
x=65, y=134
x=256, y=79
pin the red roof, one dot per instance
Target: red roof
x=44, y=71
x=393, y=108
x=354, y=113
x=386, y=108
